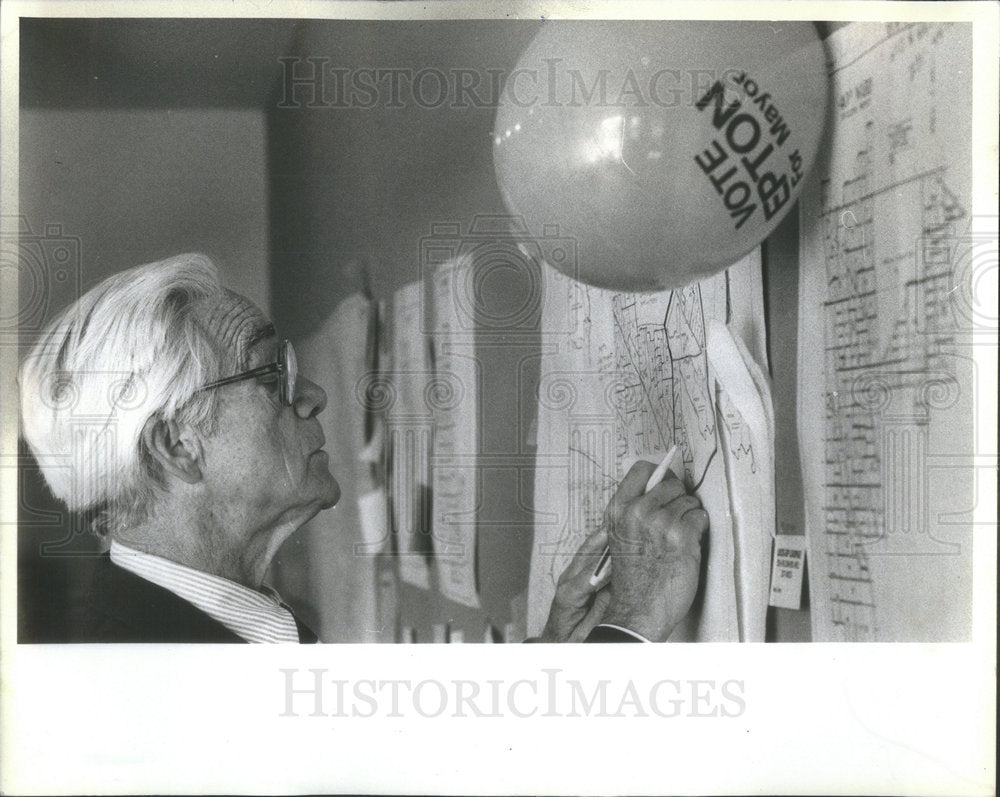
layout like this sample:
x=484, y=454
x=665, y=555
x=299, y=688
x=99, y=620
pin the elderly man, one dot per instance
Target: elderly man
x=165, y=406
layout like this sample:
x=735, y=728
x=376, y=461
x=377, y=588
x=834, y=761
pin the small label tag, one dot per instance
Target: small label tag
x=786, y=573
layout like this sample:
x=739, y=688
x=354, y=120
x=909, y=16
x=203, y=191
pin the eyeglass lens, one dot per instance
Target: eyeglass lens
x=291, y=372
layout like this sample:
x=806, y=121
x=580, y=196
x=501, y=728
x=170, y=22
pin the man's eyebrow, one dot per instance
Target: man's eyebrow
x=246, y=345
x=259, y=334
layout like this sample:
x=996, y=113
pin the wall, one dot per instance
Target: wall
x=135, y=185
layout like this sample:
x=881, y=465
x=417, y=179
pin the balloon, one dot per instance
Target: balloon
x=665, y=150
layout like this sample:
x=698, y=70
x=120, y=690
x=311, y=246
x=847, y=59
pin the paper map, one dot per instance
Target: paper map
x=885, y=375
x=623, y=377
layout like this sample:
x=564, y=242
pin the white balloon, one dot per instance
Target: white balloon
x=665, y=150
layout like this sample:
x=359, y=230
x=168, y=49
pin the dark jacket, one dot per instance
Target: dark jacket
x=122, y=607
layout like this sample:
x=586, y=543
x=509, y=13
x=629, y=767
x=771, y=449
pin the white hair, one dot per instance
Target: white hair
x=132, y=348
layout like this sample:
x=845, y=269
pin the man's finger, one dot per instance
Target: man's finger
x=684, y=520
x=631, y=487
x=594, y=542
x=665, y=492
x=634, y=483
x=596, y=613
x=697, y=517
x=642, y=508
x=586, y=556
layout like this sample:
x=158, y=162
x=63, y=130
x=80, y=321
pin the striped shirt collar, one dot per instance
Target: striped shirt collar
x=254, y=616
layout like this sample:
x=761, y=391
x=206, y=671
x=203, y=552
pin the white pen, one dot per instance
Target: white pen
x=655, y=478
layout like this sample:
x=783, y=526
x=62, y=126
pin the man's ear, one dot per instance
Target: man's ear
x=175, y=447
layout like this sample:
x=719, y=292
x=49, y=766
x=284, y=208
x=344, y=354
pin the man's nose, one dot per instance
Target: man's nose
x=310, y=398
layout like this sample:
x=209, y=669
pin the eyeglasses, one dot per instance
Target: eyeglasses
x=286, y=367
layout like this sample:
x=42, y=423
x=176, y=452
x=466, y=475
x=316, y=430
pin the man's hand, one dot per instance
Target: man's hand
x=578, y=606
x=655, y=553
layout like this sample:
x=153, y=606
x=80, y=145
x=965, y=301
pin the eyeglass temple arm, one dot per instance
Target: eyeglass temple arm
x=270, y=368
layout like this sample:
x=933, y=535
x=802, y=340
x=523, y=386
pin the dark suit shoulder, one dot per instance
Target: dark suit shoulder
x=122, y=607
x=607, y=633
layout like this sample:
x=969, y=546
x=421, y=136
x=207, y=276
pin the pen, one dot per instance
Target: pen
x=655, y=478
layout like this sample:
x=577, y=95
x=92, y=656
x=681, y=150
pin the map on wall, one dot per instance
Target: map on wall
x=885, y=369
x=625, y=376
